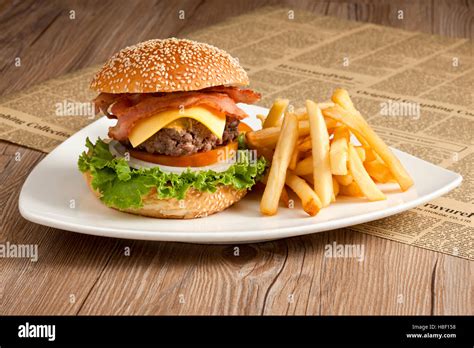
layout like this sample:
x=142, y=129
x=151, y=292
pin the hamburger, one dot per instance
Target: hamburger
x=177, y=149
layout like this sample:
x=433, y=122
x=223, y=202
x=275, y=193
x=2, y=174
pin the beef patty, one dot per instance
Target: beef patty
x=181, y=142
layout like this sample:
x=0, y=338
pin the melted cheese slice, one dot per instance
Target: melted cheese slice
x=145, y=128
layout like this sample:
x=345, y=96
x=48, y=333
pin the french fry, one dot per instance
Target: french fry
x=294, y=158
x=325, y=105
x=261, y=118
x=338, y=151
x=320, y=150
x=362, y=131
x=315, y=168
x=335, y=187
x=344, y=179
x=284, y=197
x=305, y=145
x=378, y=171
x=342, y=98
x=302, y=114
x=309, y=179
x=309, y=199
x=330, y=123
x=362, y=178
x=304, y=139
x=305, y=166
x=302, y=117
x=268, y=137
x=281, y=158
x=303, y=128
x=360, y=152
x=276, y=112
x=351, y=190
x=369, y=154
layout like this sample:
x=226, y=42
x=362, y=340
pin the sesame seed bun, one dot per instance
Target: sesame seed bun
x=169, y=65
x=194, y=205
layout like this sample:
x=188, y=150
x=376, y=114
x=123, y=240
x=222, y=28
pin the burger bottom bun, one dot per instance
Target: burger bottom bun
x=195, y=204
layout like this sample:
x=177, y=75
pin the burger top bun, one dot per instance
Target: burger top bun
x=169, y=65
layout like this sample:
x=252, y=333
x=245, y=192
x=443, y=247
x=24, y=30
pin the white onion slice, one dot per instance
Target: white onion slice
x=118, y=150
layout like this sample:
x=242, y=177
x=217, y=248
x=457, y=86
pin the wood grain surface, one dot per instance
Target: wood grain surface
x=79, y=274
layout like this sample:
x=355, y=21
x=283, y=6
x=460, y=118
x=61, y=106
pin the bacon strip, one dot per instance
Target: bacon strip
x=130, y=108
x=103, y=101
x=246, y=96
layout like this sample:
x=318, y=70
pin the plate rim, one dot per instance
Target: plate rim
x=229, y=236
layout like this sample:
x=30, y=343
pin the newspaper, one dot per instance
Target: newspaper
x=298, y=55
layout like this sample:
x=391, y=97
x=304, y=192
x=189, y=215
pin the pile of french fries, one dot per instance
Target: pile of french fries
x=311, y=153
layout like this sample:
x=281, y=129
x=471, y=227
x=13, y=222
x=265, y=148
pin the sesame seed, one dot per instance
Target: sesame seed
x=162, y=62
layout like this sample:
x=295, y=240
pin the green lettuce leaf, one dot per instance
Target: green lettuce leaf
x=123, y=187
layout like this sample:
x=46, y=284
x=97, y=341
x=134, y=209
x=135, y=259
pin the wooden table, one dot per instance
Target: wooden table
x=79, y=274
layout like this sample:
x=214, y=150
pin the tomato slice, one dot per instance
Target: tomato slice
x=199, y=159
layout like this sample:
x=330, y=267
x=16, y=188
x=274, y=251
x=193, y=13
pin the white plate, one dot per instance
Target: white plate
x=49, y=190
